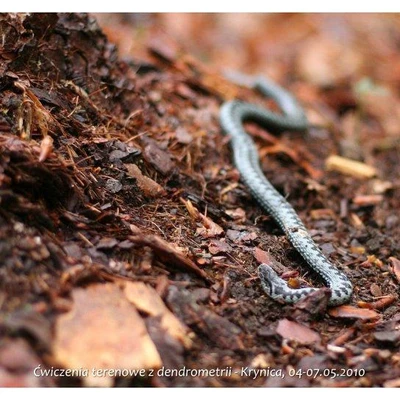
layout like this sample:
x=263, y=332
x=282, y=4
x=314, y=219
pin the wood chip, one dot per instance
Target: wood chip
x=166, y=252
x=322, y=213
x=379, y=304
x=241, y=236
x=147, y=300
x=294, y=331
x=107, y=243
x=375, y=290
x=313, y=305
x=349, y=167
x=348, y=311
x=390, y=337
x=395, y=267
x=46, y=147
x=368, y=200
x=210, y=228
x=392, y=383
x=219, y=330
x=356, y=221
x=17, y=363
x=218, y=247
x=262, y=256
x=157, y=157
x=344, y=337
x=149, y=187
x=103, y=331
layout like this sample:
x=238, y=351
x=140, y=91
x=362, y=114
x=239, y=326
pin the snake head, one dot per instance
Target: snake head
x=267, y=276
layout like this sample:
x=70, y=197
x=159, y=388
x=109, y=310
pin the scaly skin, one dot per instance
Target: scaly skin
x=232, y=116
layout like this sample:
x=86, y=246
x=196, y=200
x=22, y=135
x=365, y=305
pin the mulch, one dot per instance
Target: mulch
x=128, y=242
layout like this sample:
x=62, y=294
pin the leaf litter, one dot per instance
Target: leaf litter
x=99, y=156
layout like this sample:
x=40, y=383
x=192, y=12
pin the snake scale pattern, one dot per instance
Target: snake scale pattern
x=246, y=159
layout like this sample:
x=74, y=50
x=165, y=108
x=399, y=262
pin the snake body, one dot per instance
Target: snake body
x=246, y=159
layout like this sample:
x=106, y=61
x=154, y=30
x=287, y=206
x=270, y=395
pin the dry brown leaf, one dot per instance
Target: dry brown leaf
x=348, y=311
x=147, y=300
x=294, y=331
x=103, y=330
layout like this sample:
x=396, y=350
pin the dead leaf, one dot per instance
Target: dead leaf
x=147, y=300
x=348, y=311
x=103, y=330
x=295, y=155
x=237, y=214
x=293, y=331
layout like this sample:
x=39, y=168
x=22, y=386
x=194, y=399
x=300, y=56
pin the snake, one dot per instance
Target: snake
x=233, y=114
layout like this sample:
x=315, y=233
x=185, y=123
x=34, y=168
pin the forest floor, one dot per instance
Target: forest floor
x=128, y=244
